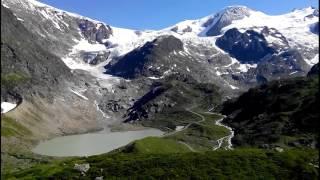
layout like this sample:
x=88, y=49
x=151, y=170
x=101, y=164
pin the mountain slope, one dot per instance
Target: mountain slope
x=44, y=82
x=281, y=112
x=204, y=49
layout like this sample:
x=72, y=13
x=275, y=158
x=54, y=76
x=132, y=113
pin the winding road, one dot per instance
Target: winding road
x=218, y=123
x=228, y=138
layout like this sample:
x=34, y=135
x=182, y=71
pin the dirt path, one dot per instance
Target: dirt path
x=225, y=138
x=218, y=123
x=188, y=146
x=187, y=126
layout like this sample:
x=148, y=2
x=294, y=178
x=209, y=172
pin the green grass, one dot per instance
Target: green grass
x=10, y=127
x=158, y=145
x=236, y=164
x=202, y=136
x=171, y=118
x=11, y=80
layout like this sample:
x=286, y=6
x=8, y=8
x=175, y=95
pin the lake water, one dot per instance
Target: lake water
x=91, y=143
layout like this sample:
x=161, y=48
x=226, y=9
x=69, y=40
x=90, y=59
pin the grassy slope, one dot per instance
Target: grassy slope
x=9, y=127
x=237, y=164
x=171, y=118
x=202, y=136
x=157, y=145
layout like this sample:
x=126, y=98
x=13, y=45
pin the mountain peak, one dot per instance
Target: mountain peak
x=235, y=11
x=225, y=17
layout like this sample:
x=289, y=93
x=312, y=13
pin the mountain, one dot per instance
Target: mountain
x=235, y=49
x=39, y=82
x=63, y=73
x=283, y=112
x=225, y=18
x=100, y=43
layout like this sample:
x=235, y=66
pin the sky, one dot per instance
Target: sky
x=158, y=14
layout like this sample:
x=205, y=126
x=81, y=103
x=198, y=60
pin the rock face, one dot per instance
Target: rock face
x=137, y=62
x=39, y=81
x=248, y=47
x=314, y=70
x=282, y=65
x=175, y=92
x=94, y=32
x=41, y=72
x=83, y=168
x=315, y=28
x=94, y=58
x=274, y=58
x=225, y=18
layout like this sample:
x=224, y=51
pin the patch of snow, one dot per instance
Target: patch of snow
x=233, y=61
x=233, y=87
x=74, y=61
x=246, y=67
x=78, y=94
x=98, y=108
x=152, y=77
x=4, y=5
x=179, y=128
x=84, y=45
x=19, y=19
x=274, y=40
x=7, y=106
x=293, y=72
x=313, y=61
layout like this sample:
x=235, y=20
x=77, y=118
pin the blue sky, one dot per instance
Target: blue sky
x=157, y=14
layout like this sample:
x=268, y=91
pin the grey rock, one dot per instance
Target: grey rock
x=278, y=149
x=94, y=32
x=83, y=168
x=225, y=17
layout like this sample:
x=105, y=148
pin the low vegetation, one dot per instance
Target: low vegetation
x=236, y=164
x=11, y=80
x=9, y=127
x=156, y=145
x=202, y=136
x=284, y=113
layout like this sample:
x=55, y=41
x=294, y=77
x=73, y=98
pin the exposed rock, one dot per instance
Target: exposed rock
x=83, y=168
x=314, y=28
x=314, y=70
x=225, y=18
x=282, y=65
x=248, y=47
x=187, y=29
x=278, y=149
x=94, y=32
x=135, y=63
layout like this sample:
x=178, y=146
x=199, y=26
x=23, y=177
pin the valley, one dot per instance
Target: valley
x=232, y=95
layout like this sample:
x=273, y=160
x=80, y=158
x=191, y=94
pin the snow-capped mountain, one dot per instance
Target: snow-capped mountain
x=235, y=48
x=81, y=33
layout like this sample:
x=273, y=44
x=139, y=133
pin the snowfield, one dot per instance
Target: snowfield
x=294, y=26
x=7, y=106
